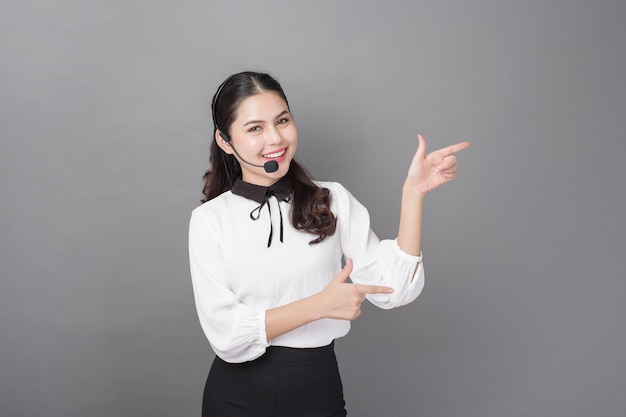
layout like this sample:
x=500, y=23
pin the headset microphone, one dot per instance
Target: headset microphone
x=269, y=166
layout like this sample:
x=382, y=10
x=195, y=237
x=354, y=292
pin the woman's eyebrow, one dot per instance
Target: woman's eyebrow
x=261, y=121
x=282, y=113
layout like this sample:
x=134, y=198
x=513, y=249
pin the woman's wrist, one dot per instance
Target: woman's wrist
x=412, y=191
x=315, y=303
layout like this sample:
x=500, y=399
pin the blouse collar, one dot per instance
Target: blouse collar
x=281, y=190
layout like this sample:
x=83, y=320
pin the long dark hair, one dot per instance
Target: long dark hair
x=311, y=204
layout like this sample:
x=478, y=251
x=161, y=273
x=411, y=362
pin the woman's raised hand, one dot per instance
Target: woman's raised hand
x=342, y=300
x=427, y=172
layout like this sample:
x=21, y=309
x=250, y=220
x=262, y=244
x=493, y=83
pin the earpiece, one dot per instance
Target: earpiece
x=225, y=137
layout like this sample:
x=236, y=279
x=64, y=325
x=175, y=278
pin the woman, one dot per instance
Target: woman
x=266, y=251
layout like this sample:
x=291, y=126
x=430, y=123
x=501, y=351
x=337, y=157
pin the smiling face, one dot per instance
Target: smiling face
x=263, y=131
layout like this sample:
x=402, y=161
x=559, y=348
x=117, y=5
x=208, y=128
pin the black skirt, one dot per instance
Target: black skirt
x=284, y=382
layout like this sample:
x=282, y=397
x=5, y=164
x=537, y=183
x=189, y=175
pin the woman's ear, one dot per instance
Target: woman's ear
x=224, y=145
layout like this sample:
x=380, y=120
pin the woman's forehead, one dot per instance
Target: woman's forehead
x=262, y=106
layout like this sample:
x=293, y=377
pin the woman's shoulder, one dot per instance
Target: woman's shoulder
x=339, y=194
x=333, y=186
x=336, y=189
x=214, y=205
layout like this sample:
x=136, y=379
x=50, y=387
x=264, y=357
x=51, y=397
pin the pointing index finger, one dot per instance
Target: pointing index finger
x=374, y=289
x=449, y=150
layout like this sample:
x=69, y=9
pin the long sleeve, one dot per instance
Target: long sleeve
x=236, y=277
x=235, y=330
x=375, y=262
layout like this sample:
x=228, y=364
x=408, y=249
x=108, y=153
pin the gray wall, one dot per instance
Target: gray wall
x=104, y=135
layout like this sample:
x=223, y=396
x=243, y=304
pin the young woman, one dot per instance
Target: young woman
x=266, y=251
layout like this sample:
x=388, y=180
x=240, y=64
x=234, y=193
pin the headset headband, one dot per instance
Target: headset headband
x=216, y=97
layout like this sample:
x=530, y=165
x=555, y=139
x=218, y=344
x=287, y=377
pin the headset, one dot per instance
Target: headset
x=269, y=166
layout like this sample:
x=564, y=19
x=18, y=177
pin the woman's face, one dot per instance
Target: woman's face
x=263, y=131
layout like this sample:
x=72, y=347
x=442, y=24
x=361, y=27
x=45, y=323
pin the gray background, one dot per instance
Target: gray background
x=104, y=132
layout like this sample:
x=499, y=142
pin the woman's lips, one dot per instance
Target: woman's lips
x=278, y=156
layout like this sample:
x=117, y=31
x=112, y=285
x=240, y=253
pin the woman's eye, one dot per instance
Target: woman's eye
x=254, y=129
x=283, y=121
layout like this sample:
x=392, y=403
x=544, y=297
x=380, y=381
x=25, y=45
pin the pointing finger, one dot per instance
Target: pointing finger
x=374, y=289
x=449, y=150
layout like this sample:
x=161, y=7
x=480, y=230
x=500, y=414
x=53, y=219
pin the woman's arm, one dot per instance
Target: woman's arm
x=338, y=300
x=426, y=172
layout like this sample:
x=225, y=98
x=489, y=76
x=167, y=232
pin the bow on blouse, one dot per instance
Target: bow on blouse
x=256, y=213
x=281, y=190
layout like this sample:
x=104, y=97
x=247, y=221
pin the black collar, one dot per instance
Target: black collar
x=280, y=189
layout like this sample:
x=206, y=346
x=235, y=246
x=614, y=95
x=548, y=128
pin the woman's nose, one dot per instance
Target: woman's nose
x=273, y=135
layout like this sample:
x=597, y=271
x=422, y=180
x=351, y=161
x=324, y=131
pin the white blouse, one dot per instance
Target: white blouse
x=236, y=276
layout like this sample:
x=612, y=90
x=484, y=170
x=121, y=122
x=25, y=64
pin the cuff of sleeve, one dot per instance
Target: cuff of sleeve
x=400, y=270
x=406, y=256
x=262, y=332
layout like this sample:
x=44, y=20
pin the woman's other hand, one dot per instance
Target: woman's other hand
x=342, y=300
x=427, y=172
